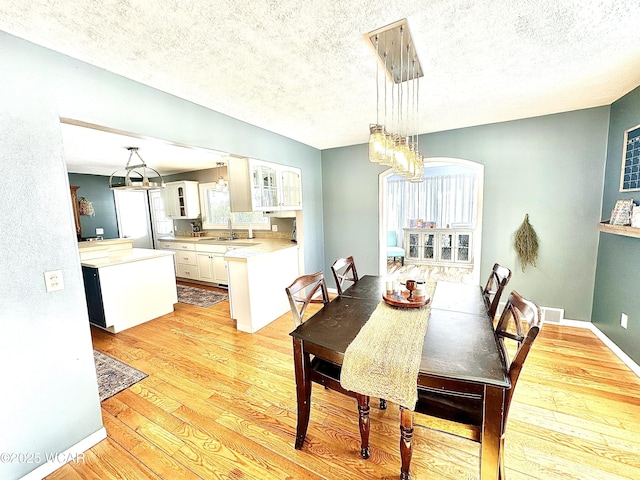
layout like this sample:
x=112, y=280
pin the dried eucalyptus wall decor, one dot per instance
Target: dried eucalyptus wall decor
x=526, y=244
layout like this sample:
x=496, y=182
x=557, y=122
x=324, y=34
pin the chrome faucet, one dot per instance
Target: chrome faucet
x=230, y=230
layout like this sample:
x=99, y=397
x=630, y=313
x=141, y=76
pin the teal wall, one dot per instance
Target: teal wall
x=550, y=167
x=46, y=338
x=350, y=192
x=95, y=188
x=50, y=398
x=618, y=272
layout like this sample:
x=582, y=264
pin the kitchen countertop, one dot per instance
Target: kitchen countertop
x=242, y=248
x=214, y=240
x=104, y=242
x=124, y=256
x=269, y=246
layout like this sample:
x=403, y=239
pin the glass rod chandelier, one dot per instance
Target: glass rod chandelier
x=395, y=143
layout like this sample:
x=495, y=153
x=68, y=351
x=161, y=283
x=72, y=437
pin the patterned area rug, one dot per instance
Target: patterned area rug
x=199, y=296
x=113, y=375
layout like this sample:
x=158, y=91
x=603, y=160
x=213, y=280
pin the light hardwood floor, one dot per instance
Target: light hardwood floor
x=220, y=404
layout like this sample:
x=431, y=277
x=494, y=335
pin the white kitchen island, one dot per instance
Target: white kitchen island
x=127, y=287
x=258, y=277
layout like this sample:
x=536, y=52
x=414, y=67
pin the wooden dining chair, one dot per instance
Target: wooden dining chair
x=517, y=328
x=303, y=291
x=492, y=292
x=344, y=270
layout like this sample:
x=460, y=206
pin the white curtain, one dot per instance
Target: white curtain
x=448, y=200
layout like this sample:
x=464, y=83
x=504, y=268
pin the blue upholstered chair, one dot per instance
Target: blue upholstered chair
x=393, y=250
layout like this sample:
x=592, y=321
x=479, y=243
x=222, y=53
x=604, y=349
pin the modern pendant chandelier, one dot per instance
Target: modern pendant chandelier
x=395, y=142
x=135, y=177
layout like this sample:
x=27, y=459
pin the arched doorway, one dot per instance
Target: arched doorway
x=434, y=252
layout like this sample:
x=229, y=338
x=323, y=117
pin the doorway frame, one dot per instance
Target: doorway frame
x=434, y=162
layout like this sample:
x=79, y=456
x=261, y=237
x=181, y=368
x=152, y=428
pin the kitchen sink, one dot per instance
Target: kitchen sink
x=215, y=240
x=236, y=242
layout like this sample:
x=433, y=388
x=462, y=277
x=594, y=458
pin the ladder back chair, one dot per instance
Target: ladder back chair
x=461, y=414
x=303, y=291
x=344, y=270
x=492, y=292
x=301, y=294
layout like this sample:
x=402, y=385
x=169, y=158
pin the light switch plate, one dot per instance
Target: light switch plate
x=53, y=281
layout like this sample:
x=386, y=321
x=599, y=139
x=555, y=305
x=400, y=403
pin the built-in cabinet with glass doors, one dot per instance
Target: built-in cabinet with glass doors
x=256, y=185
x=438, y=246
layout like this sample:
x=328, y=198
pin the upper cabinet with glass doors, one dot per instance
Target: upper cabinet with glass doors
x=255, y=185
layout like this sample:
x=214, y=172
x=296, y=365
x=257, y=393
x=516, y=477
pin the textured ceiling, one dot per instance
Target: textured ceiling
x=303, y=69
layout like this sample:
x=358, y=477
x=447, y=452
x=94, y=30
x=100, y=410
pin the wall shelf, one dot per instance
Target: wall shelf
x=625, y=230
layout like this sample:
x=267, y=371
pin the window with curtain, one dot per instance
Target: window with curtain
x=447, y=197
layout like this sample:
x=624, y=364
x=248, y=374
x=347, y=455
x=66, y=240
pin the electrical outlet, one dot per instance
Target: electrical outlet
x=624, y=319
x=99, y=231
x=53, y=281
x=274, y=228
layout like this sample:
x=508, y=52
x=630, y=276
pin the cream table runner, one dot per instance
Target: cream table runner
x=384, y=359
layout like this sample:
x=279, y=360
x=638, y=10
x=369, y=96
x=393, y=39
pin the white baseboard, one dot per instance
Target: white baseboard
x=74, y=453
x=628, y=361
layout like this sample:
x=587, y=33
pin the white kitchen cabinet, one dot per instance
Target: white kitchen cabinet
x=181, y=199
x=290, y=181
x=184, y=255
x=438, y=246
x=205, y=267
x=221, y=276
x=187, y=265
x=255, y=185
x=211, y=264
x=199, y=261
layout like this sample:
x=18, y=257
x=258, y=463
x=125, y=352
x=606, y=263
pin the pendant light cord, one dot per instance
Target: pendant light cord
x=377, y=83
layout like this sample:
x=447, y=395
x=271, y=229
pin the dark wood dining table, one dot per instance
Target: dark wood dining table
x=460, y=353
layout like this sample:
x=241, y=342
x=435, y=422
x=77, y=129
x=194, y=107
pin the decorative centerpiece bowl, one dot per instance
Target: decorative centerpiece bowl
x=409, y=298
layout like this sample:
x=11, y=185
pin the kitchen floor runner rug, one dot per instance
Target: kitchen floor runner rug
x=199, y=296
x=114, y=375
